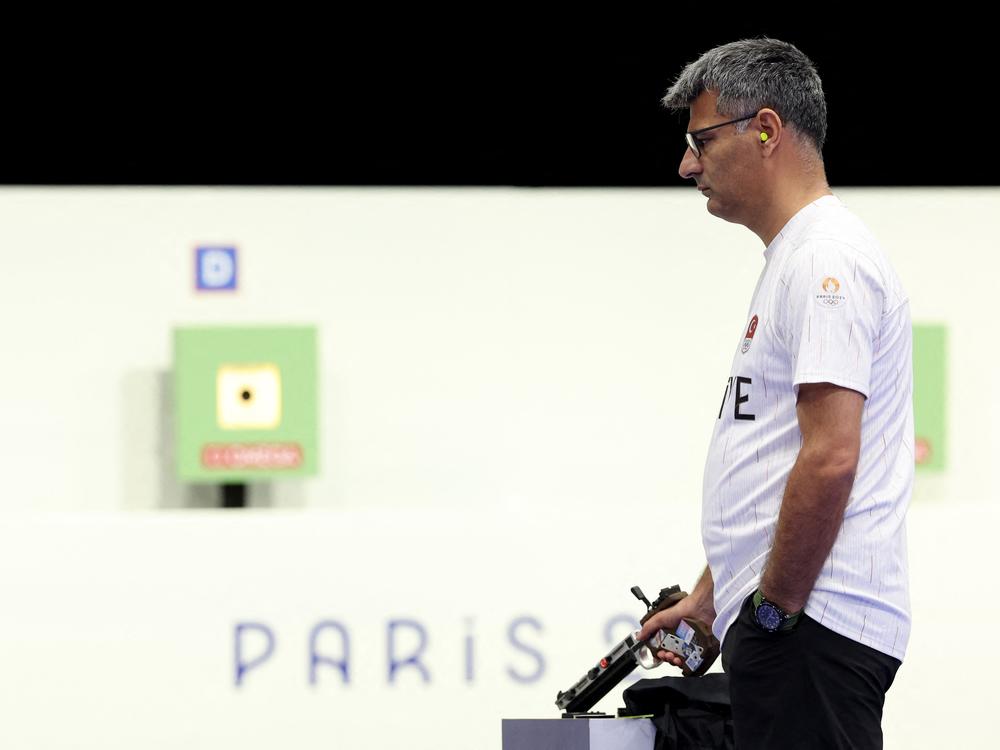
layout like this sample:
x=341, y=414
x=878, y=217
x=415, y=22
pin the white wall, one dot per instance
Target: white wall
x=494, y=346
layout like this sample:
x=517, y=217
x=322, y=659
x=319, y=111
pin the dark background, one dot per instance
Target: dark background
x=455, y=101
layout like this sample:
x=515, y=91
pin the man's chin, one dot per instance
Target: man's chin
x=719, y=211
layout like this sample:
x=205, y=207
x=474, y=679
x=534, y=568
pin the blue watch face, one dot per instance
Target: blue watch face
x=768, y=617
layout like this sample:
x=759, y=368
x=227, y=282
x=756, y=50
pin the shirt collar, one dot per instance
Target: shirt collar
x=801, y=217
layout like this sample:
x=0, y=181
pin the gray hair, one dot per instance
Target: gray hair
x=751, y=74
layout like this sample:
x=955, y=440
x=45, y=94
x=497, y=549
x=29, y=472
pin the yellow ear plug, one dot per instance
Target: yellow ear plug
x=763, y=137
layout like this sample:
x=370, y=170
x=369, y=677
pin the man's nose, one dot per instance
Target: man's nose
x=690, y=166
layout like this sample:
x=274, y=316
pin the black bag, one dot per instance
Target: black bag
x=690, y=713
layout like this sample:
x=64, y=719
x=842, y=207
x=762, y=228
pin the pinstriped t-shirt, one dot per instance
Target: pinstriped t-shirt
x=828, y=307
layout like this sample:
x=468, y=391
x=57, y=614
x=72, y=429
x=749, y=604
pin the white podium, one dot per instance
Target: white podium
x=578, y=734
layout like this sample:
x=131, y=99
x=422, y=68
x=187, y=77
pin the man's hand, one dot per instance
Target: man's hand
x=668, y=619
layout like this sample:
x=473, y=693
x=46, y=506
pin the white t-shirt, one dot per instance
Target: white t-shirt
x=828, y=308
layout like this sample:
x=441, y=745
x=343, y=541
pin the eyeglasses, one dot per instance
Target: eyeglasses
x=695, y=143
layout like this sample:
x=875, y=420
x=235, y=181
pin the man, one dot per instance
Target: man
x=810, y=466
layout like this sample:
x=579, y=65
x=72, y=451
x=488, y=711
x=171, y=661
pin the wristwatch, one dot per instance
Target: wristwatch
x=770, y=616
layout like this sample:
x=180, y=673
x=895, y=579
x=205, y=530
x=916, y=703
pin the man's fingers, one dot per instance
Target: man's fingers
x=659, y=620
x=670, y=658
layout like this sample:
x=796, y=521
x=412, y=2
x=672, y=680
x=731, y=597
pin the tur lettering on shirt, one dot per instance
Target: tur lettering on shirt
x=739, y=388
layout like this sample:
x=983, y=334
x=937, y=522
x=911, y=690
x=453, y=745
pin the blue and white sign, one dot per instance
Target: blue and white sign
x=215, y=269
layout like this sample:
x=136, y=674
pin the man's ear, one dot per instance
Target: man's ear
x=769, y=128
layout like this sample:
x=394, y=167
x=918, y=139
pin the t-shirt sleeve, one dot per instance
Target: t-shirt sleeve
x=829, y=306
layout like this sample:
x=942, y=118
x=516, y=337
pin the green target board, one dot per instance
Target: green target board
x=245, y=403
x=930, y=396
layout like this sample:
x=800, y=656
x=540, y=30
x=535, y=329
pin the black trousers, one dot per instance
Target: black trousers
x=805, y=688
